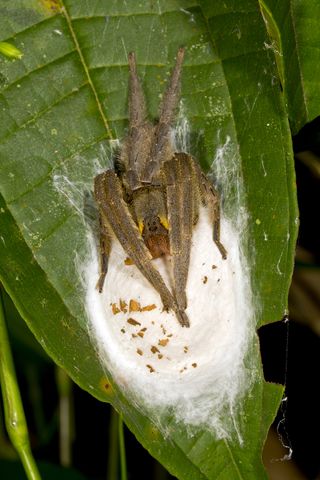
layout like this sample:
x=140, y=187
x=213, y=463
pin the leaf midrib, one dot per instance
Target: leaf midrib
x=86, y=69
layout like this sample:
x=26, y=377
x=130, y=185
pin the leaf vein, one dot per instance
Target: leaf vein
x=27, y=29
x=58, y=165
x=41, y=67
x=86, y=69
x=41, y=113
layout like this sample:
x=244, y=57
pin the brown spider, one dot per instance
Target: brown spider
x=151, y=203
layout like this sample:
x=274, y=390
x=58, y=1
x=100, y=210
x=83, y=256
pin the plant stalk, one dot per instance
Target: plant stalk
x=113, y=453
x=64, y=385
x=15, y=420
x=122, y=448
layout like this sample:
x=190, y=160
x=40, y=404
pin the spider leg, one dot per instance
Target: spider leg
x=171, y=96
x=137, y=126
x=115, y=212
x=137, y=107
x=104, y=252
x=182, y=210
x=161, y=140
x=211, y=197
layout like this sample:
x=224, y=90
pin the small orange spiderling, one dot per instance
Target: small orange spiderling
x=115, y=309
x=141, y=332
x=134, y=306
x=154, y=349
x=148, y=308
x=123, y=306
x=132, y=321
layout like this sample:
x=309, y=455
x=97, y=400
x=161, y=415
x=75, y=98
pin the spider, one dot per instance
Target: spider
x=150, y=200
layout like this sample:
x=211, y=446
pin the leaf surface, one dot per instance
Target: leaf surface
x=295, y=38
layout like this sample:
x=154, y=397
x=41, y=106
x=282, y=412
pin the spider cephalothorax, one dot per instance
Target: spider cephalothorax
x=151, y=203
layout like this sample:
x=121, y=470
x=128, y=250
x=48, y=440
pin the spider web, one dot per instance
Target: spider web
x=199, y=375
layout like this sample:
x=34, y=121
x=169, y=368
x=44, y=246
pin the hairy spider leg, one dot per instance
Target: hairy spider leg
x=182, y=204
x=210, y=197
x=104, y=251
x=161, y=138
x=138, y=142
x=114, y=210
x=137, y=107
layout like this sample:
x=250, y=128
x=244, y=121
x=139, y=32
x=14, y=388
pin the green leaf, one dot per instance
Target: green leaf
x=295, y=36
x=24, y=343
x=61, y=106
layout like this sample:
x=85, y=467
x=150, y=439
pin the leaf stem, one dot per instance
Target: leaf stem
x=64, y=385
x=123, y=462
x=113, y=453
x=13, y=409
